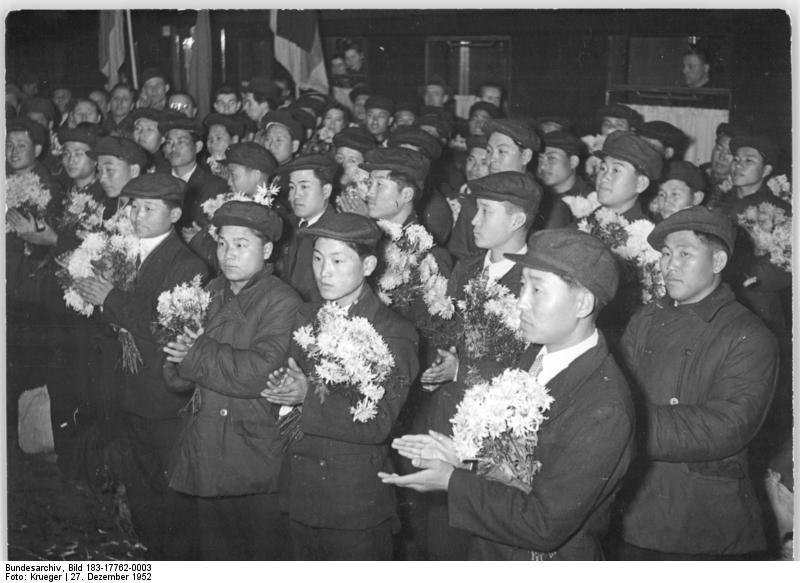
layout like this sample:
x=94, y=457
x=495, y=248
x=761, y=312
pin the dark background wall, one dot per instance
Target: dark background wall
x=559, y=58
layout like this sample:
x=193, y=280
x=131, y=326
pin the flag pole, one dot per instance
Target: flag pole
x=133, y=53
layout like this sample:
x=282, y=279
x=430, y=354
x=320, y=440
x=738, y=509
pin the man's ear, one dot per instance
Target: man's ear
x=574, y=161
x=268, y=246
x=136, y=170
x=719, y=260
x=327, y=189
x=198, y=146
x=175, y=214
x=295, y=146
x=585, y=302
x=766, y=171
x=642, y=182
x=697, y=197
x=407, y=194
x=369, y=264
x=37, y=150
x=527, y=156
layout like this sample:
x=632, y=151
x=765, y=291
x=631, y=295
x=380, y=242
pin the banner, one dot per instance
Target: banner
x=298, y=47
x=112, y=45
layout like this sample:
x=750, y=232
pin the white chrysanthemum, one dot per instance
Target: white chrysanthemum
x=74, y=300
x=394, y=230
x=419, y=238
x=364, y=411
x=581, y=206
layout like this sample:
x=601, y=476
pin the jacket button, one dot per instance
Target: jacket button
x=674, y=401
x=223, y=412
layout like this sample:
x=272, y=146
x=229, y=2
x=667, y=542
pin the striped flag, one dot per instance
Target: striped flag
x=112, y=44
x=299, y=48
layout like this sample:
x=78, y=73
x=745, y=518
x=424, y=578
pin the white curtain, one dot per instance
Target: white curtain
x=699, y=124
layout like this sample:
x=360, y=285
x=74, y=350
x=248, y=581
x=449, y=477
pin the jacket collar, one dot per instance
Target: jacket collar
x=367, y=303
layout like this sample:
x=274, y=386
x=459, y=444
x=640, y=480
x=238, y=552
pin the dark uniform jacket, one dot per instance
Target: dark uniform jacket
x=294, y=262
x=201, y=186
x=705, y=374
x=230, y=444
x=145, y=393
x=334, y=466
x=585, y=447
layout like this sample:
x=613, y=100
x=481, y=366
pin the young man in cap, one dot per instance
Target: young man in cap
x=155, y=88
x=682, y=187
x=163, y=519
x=612, y=118
x=310, y=188
x=259, y=97
x=123, y=97
x=147, y=134
x=351, y=144
x=507, y=203
x=670, y=141
x=183, y=142
x=84, y=110
x=358, y=97
x=704, y=369
x=718, y=170
x=282, y=135
x=221, y=132
x=230, y=451
x=559, y=163
x=41, y=111
x=586, y=443
x=119, y=160
x=379, y=111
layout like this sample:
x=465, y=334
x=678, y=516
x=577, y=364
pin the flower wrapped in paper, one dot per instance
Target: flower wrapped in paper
x=349, y=357
x=770, y=229
x=496, y=425
x=639, y=262
x=184, y=306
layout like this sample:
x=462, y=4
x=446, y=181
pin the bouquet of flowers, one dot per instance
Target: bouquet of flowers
x=264, y=195
x=184, y=306
x=412, y=272
x=82, y=211
x=349, y=357
x=110, y=253
x=771, y=231
x=26, y=194
x=628, y=241
x=491, y=322
x=582, y=206
x=781, y=187
x=496, y=425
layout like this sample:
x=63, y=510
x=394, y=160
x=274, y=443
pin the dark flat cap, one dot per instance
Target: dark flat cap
x=418, y=138
x=687, y=172
x=146, y=113
x=490, y=108
x=158, y=185
x=664, y=132
x=241, y=213
x=619, y=111
x=316, y=104
x=437, y=80
x=443, y=127
x=325, y=164
x=401, y=160
x=514, y=187
x=85, y=133
x=262, y=86
x=122, y=148
x=307, y=121
x=564, y=123
x=360, y=89
x=39, y=105
x=23, y=124
x=565, y=141
x=634, y=149
x=180, y=122
x=517, y=129
x=284, y=118
x=232, y=123
x=575, y=254
x=152, y=72
x=355, y=139
x=379, y=102
x=697, y=218
x=406, y=106
x=251, y=155
x=731, y=130
x=347, y=227
x=477, y=142
x=768, y=149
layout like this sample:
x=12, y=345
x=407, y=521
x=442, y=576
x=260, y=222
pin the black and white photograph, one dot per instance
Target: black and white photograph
x=416, y=285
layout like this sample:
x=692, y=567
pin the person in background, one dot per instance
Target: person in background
x=154, y=89
x=123, y=97
x=183, y=103
x=681, y=187
x=696, y=68
x=559, y=163
x=379, y=111
x=358, y=97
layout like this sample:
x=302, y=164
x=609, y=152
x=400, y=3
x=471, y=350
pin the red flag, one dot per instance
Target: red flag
x=112, y=44
x=299, y=48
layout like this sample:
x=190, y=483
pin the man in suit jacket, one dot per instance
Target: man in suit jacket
x=310, y=187
x=150, y=408
x=584, y=445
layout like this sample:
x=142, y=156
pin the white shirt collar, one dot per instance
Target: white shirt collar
x=146, y=246
x=186, y=176
x=314, y=219
x=555, y=362
x=500, y=268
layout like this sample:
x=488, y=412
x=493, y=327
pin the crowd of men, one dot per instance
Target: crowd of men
x=658, y=407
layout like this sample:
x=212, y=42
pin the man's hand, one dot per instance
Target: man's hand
x=433, y=446
x=25, y=228
x=443, y=370
x=188, y=233
x=286, y=385
x=179, y=348
x=435, y=476
x=94, y=290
